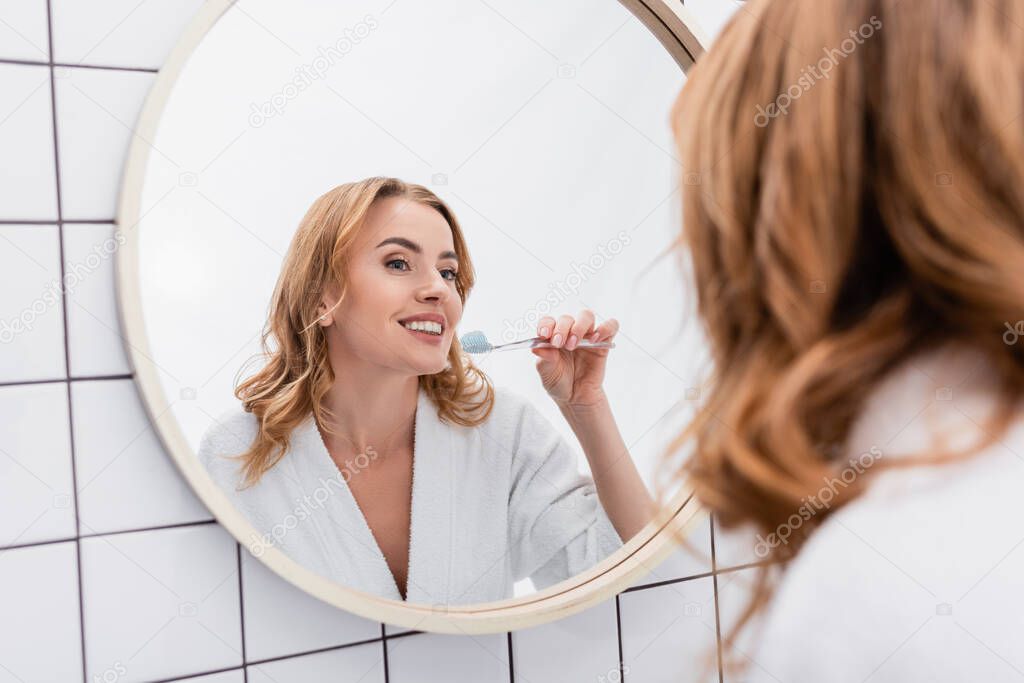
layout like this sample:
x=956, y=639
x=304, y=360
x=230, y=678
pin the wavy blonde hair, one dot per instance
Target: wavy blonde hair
x=297, y=373
x=880, y=215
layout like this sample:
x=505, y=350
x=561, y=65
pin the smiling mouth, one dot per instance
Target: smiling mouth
x=424, y=326
x=427, y=337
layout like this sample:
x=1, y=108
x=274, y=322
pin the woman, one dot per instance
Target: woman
x=372, y=451
x=857, y=238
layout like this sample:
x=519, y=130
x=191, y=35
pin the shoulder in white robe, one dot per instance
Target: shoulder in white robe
x=491, y=505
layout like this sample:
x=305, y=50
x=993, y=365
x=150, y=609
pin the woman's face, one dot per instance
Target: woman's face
x=401, y=274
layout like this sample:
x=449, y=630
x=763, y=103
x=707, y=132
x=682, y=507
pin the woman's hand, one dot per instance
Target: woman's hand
x=573, y=376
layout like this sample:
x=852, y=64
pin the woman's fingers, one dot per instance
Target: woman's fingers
x=581, y=327
x=567, y=332
x=545, y=327
x=606, y=330
x=562, y=327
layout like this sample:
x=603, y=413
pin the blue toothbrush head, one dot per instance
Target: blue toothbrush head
x=475, y=342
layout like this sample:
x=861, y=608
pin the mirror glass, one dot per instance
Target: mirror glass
x=544, y=128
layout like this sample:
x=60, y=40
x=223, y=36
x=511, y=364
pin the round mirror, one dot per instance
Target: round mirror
x=527, y=143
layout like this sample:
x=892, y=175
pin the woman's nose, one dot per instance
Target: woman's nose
x=436, y=289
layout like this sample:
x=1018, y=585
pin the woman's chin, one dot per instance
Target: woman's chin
x=431, y=368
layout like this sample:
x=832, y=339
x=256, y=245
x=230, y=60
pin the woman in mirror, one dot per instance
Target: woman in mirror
x=372, y=451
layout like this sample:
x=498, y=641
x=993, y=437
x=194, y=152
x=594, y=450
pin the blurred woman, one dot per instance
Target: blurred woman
x=853, y=214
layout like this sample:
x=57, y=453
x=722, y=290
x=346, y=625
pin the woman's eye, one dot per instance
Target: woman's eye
x=448, y=273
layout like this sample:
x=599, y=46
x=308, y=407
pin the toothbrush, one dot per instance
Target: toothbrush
x=476, y=342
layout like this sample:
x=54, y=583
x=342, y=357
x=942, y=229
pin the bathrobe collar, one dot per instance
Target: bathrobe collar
x=429, y=570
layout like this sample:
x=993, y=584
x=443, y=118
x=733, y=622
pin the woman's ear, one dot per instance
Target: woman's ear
x=324, y=319
x=328, y=303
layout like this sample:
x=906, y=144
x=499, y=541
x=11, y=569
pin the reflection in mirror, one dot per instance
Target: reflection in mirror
x=336, y=193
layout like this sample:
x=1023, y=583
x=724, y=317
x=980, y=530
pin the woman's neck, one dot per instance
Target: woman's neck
x=375, y=413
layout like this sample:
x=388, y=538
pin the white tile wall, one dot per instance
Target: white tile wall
x=23, y=33
x=40, y=631
x=668, y=632
x=96, y=112
x=551, y=652
x=110, y=568
x=125, y=480
x=35, y=465
x=28, y=184
x=736, y=547
x=734, y=592
x=233, y=676
x=691, y=558
x=438, y=658
x=124, y=33
x=282, y=620
x=161, y=603
x=355, y=664
x=31, y=311
x=95, y=344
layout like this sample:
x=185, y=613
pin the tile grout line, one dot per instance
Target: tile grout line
x=666, y=582
x=241, y=611
x=618, y=637
x=50, y=63
x=511, y=666
x=306, y=653
x=54, y=541
x=384, y=649
x=714, y=580
x=67, y=347
x=279, y=658
x=55, y=221
x=66, y=380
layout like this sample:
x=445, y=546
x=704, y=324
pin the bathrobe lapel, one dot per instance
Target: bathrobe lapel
x=345, y=537
x=433, y=510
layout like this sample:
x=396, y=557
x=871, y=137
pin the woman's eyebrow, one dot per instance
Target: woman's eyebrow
x=413, y=247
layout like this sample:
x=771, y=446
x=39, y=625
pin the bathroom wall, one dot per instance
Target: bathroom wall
x=110, y=568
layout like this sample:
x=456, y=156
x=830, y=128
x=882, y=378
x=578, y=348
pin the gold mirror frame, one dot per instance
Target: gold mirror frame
x=679, y=33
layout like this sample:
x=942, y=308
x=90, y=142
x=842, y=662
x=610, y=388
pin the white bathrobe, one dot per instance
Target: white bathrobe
x=919, y=579
x=491, y=505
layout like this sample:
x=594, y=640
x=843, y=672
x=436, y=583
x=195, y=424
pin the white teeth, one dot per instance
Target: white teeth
x=424, y=326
